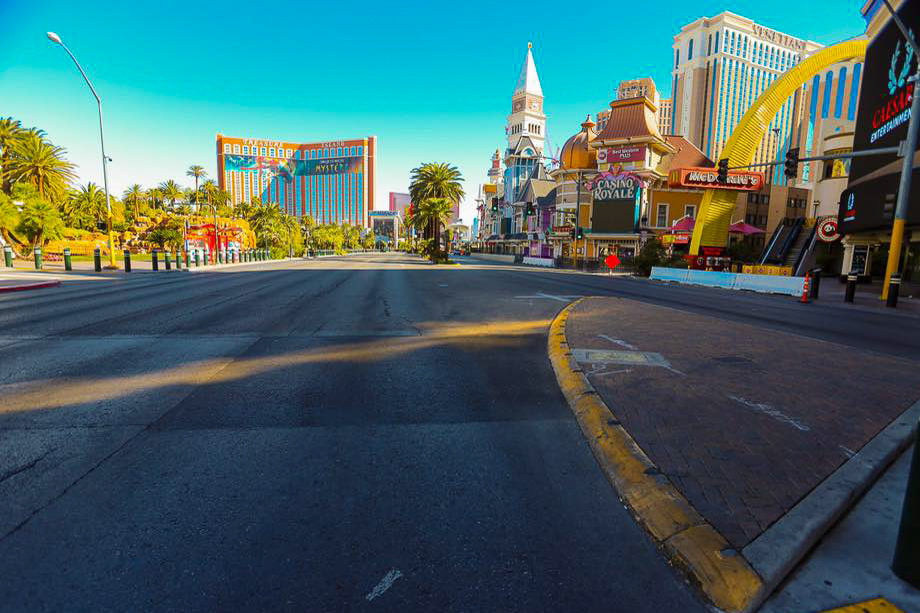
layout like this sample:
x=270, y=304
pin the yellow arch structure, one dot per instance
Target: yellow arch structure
x=718, y=204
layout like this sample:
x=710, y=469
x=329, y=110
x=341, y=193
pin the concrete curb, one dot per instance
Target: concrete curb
x=689, y=541
x=779, y=549
x=732, y=580
x=28, y=286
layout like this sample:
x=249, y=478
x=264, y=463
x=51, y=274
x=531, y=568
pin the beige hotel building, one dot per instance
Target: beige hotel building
x=722, y=64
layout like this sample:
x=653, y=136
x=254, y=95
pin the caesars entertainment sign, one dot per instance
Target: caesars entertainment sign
x=616, y=203
x=884, y=112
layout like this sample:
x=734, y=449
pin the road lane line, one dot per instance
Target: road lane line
x=385, y=584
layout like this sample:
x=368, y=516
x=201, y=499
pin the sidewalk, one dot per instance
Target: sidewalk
x=852, y=563
x=738, y=445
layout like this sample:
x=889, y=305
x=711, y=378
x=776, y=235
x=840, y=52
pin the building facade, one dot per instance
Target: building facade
x=665, y=119
x=722, y=64
x=331, y=181
x=399, y=203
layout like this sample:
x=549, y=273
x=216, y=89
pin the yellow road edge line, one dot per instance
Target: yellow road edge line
x=689, y=541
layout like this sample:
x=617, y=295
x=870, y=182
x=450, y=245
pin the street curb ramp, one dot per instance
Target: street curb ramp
x=689, y=541
x=734, y=581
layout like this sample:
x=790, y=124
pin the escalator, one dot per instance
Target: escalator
x=790, y=245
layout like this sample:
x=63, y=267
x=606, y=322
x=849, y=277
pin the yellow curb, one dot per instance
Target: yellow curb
x=688, y=539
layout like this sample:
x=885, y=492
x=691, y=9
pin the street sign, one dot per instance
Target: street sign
x=612, y=261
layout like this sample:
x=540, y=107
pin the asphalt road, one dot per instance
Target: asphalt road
x=356, y=433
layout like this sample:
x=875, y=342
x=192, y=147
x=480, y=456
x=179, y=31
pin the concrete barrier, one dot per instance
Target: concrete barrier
x=535, y=261
x=769, y=284
x=494, y=257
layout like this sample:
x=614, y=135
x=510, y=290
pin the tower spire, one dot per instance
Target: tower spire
x=529, y=81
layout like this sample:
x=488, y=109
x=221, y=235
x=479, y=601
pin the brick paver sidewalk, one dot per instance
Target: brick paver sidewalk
x=744, y=421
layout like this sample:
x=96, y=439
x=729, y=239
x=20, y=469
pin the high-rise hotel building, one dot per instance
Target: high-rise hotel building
x=331, y=181
x=722, y=64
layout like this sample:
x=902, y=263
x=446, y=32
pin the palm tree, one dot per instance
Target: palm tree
x=40, y=163
x=434, y=212
x=266, y=224
x=170, y=190
x=10, y=131
x=435, y=181
x=134, y=193
x=9, y=218
x=156, y=196
x=208, y=188
x=39, y=220
x=197, y=172
x=85, y=208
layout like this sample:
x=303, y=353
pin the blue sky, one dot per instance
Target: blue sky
x=433, y=81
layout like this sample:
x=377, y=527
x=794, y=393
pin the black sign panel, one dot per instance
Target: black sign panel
x=616, y=204
x=884, y=112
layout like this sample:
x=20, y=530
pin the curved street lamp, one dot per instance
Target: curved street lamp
x=105, y=176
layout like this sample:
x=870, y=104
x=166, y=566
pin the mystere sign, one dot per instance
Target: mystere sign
x=708, y=177
x=884, y=112
x=616, y=203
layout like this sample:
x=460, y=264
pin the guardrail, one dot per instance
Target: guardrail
x=769, y=284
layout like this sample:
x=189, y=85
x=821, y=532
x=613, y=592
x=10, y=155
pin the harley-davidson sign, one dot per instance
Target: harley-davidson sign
x=708, y=177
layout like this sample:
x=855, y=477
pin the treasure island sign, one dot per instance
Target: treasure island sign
x=708, y=177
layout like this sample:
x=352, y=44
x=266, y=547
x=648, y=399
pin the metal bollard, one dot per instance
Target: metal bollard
x=166, y=260
x=188, y=259
x=178, y=260
x=38, y=258
x=127, y=261
x=8, y=256
x=155, y=260
x=233, y=255
x=894, y=288
x=97, y=259
x=197, y=259
x=906, y=564
x=220, y=256
x=815, y=282
x=851, y=287
x=206, y=256
x=68, y=264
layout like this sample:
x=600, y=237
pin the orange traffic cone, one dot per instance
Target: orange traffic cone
x=806, y=289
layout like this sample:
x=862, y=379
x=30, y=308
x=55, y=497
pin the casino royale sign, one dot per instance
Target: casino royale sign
x=709, y=178
x=616, y=187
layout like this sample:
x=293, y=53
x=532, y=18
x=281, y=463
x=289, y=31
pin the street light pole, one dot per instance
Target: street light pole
x=105, y=175
x=907, y=169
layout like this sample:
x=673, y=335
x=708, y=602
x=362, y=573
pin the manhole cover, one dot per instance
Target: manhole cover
x=612, y=356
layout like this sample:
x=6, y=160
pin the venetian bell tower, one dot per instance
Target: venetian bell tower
x=527, y=118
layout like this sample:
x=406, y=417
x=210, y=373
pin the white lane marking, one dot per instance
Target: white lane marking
x=384, y=584
x=850, y=453
x=776, y=414
x=613, y=372
x=619, y=342
x=550, y=297
x=442, y=284
x=672, y=369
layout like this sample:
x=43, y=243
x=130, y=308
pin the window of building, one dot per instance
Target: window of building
x=828, y=86
x=854, y=92
x=236, y=148
x=360, y=150
x=325, y=153
x=717, y=41
x=245, y=150
x=841, y=86
x=262, y=151
x=677, y=59
x=226, y=147
x=338, y=152
x=709, y=45
x=662, y=219
x=690, y=50
x=289, y=153
x=690, y=211
x=271, y=151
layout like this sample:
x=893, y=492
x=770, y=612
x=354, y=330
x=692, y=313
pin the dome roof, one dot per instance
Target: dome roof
x=575, y=153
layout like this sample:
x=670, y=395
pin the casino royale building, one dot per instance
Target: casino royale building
x=331, y=181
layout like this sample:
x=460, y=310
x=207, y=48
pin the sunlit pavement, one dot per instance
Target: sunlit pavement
x=347, y=433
